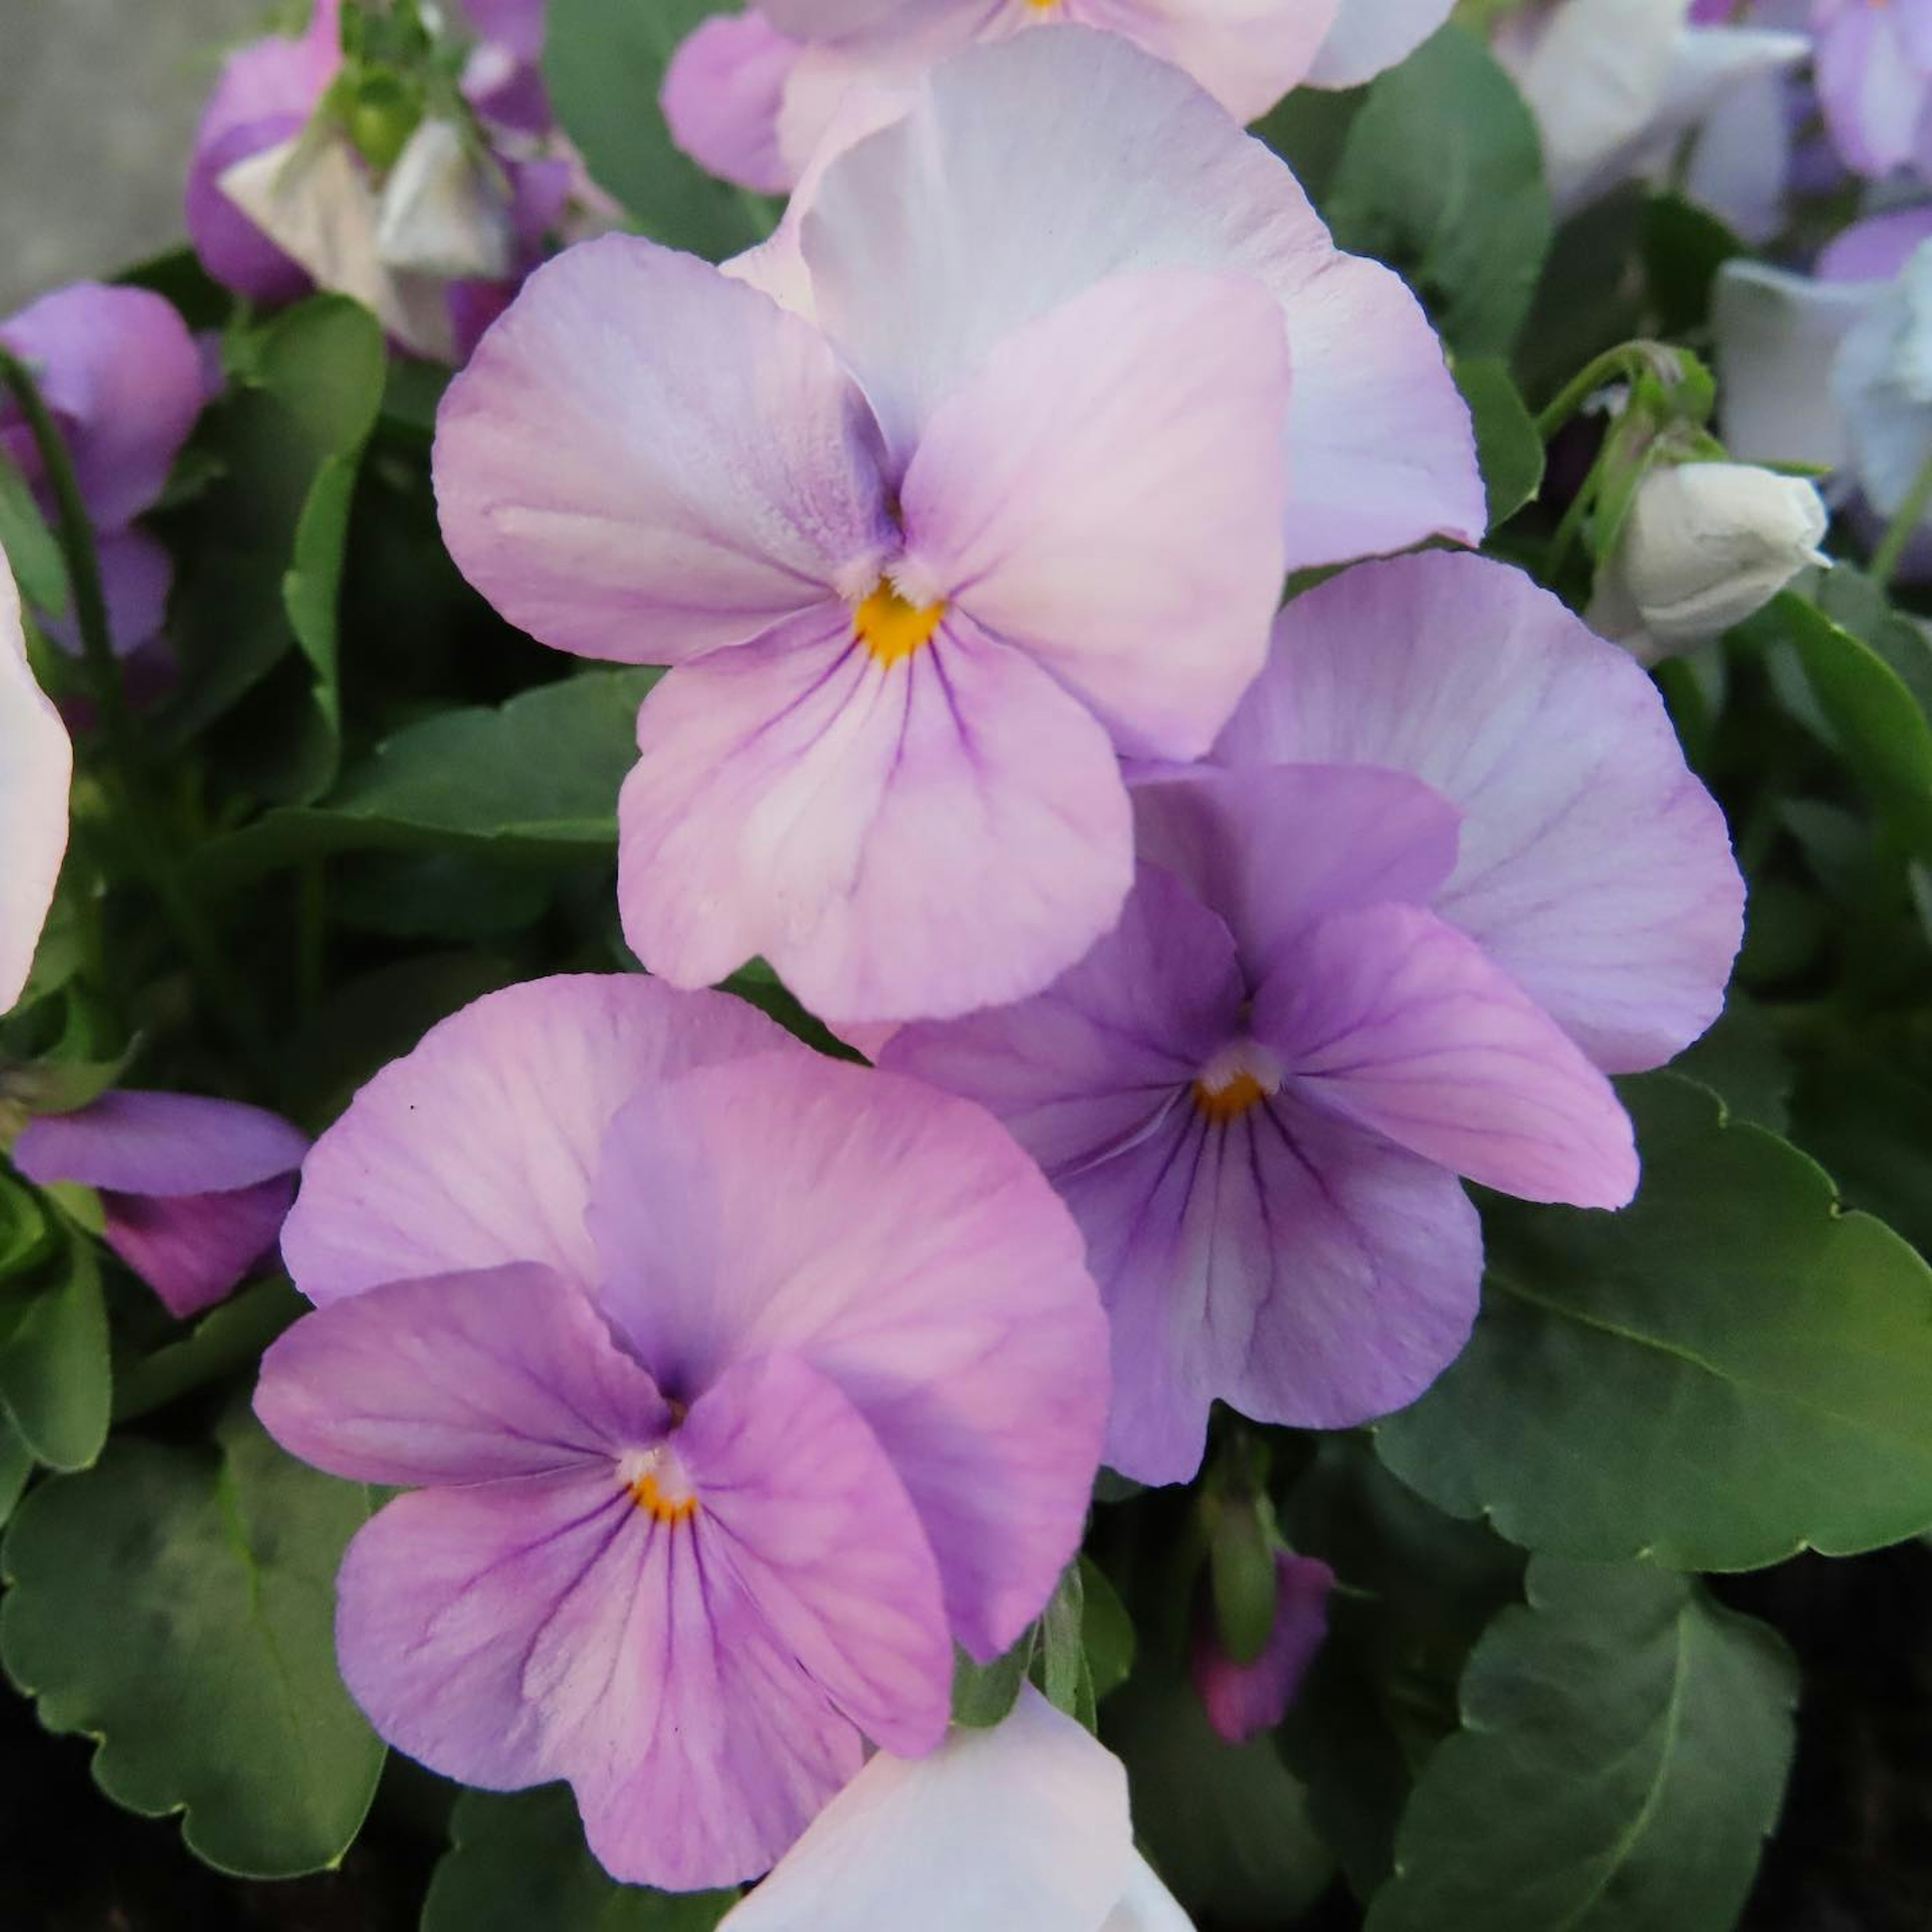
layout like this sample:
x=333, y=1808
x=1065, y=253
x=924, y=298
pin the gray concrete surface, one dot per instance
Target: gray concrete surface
x=98, y=99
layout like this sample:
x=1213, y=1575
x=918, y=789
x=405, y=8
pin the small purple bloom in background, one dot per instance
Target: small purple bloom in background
x=1023, y=1827
x=1445, y=869
x=750, y=95
x=1242, y=1700
x=36, y=765
x=733, y=1384
x=1009, y=493
x=1874, y=74
x=121, y=376
x=193, y=1190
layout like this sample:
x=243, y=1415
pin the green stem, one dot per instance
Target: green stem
x=1588, y=380
x=126, y=781
x=1906, y=519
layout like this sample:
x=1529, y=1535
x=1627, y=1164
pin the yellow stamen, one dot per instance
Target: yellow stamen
x=891, y=628
x=645, y=1494
x=1229, y=1103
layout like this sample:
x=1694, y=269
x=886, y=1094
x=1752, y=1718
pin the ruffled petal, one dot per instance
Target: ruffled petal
x=1107, y=493
x=478, y=1147
x=899, y=839
x=900, y=1242
x=1593, y=868
x=646, y=460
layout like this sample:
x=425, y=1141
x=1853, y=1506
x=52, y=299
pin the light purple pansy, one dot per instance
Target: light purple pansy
x=1445, y=870
x=1023, y=1825
x=194, y=1191
x=1873, y=68
x=1242, y=1700
x=36, y=766
x=734, y=1385
x=750, y=95
x=123, y=379
x=1008, y=493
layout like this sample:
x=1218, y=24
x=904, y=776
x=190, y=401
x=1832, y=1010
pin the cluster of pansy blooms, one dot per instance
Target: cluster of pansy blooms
x=1203, y=948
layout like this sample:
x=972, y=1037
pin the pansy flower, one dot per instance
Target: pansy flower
x=1243, y=1699
x=36, y=764
x=732, y=1384
x=1008, y=493
x=1445, y=870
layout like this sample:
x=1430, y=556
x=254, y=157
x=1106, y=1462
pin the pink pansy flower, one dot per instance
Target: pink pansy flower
x=1242, y=1700
x=750, y=95
x=122, y=378
x=734, y=1385
x=1023, y=1826
x=1258, y=1092
x=193, y=1190
x=36, y=765
x=1010, y=492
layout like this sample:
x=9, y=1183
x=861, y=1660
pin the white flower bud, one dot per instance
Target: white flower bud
x=1704, y=546
x=441, y=214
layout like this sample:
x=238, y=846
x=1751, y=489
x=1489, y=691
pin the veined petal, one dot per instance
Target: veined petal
x=478, y=1147
x=1299, y=1268
x=192, y=1249
x=1107, y=493
x=458, y=1379
x=1392, y=1017
x=1031, y=168
x=1024, y=1824
x=1593, y=868
x=36, y=764
x=646, y=460
x=899, y=1241
x=899, y=839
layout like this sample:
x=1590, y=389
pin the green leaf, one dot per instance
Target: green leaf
x=226, y=1340
x=1507, y=447
x=1868, y=1116
x=1740, y=1060
x=539, y=774
x=1684, y=247
x=1063, y=1673
x=31, y=548
x=17, y=1465
x=177, y=1605
x=55, y=1384
x=1623, y=1755
x=1241, y=1575
x=605, y=60
x=1441, y=177
x=1106, y=1629
x=1729, y=1370
x=982, y=1693
x=1308, y=130
x=518, y=1864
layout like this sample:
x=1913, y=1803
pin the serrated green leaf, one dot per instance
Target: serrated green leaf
x=1727, y=1371
x=55, y=1383
x=17, y=1465
x=1623, y=1755
x=517, y=1863
x=1741, y=1060
x=605, y=60
x=539, y=774
x=177, y=1604
x=1441, y=177
x=1508, y=449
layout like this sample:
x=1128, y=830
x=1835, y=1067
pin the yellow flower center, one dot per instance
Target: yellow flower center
x=1241, y=1075
x=1229, y=1103
x=673, y=1509
x=891, y=628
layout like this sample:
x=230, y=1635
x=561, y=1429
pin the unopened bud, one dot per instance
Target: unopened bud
x=441, y=214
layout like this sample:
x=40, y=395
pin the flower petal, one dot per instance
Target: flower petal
x=1394, y=1019
x=1297, y=1267
x=1242, y=1700
x=1146, y=1905
x=722, y=93
x=36, y=765
x=1246, y=53
x=1777, y=335
x=478, y=1147
x=1271, y=847
x=899, y=1241
x=1593, y=868
x=897, y=839
x=192, y=1249
x=1370, y=36
x=1107, y=493
x=1036, y=167
x=1024, y=1824
x=646, y=460
x=457, y=1378
x=144, y=1143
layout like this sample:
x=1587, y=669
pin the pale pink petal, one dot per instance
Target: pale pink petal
x=457, y=1378
x=1595, y=869
x=897, y=839
x=869, y=21
x=1024, y=1824
x=1036, y=167
x=646, y=460
x=1370, y=36
x=1107, y=492
x=36, y=763
x=1246, y=53
x=898, y=1241
x=722, y=92
x=1390, y=1016
x=478, y=1147
x=1146, y=1905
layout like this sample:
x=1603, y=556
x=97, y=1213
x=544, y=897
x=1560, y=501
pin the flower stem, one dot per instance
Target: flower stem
x=1906, y=519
